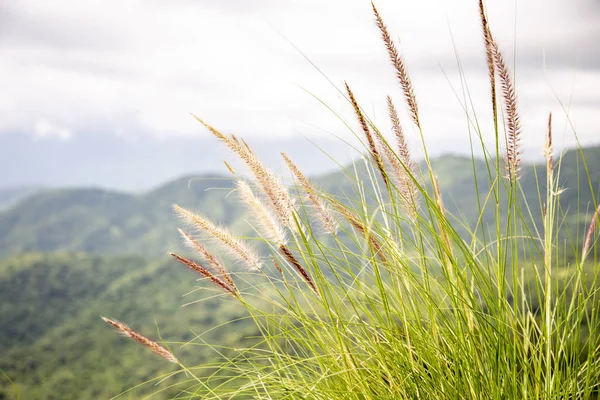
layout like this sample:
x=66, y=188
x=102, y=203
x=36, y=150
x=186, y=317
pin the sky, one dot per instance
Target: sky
x=136, y=69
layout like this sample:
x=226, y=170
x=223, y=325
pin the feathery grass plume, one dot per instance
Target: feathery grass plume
x=589, y=237
x=361, y=228
x=283, y=204
x=271, y=227
x=363, y=124
x=513, y=124
x=214, y=262
x=199, y=269
x=234, y=138
x=403, y=150
x=548, y=147
x=440, y=204
x=322, y=211
x=296, y=264
x=143, y=340
x=237, y=248
x=248, y=149
x=229, y=167
x=406, y=185
x=549, y=164
x=398, y=176
x=489, y=53
x=400, y=66
x=276, y=264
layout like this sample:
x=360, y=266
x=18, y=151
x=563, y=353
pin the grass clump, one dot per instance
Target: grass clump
x=383, y=294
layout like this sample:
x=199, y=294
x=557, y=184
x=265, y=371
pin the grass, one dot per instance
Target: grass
x=381, y=295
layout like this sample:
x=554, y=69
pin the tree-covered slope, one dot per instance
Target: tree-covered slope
x=55, y=346
x=11, y=195
x=579, y=172
x=105, y=222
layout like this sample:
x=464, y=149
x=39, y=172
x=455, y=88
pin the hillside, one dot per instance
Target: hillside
x=107, y=222
x=54, y=345
x=456, y=178
x=10, y=196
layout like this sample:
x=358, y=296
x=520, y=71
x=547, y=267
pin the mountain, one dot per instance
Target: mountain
x=101, y=221
x=10, y=196
x=109, y=222
x=110, y=161
x=55, y=346
x=456, y=178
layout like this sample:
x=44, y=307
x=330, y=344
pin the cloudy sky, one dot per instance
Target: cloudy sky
x=137, y=68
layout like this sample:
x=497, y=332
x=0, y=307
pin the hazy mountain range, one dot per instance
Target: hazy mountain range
x=132, y=164
x=116, y=222
x=109, y=161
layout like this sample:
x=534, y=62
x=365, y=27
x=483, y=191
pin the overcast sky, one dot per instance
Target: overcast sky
x=139, y=67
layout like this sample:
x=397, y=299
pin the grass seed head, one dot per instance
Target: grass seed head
x=143, y=340
x=400, y=67
x=213, y=261
x=264, y=217
x=365, y=127
x=199, y=269
x=274, y=191
x=489, y=53
x=589, y=237
x=548, y=148
x=236, y=247
x=322, y=212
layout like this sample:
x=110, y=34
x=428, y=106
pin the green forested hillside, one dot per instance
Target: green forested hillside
x=54, y=345
x=10, y=196
x=39, y=292
x=104, y=222
x=579, y=177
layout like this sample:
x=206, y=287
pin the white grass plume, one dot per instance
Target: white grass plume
x=236, y=247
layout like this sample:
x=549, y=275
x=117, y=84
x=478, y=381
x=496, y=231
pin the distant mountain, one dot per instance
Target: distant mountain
x=99, y=159
x=10, y=196
x=457, y=176
x=108, y=222
x=109, y=161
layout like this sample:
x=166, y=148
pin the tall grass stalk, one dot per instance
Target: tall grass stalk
x=379, y=292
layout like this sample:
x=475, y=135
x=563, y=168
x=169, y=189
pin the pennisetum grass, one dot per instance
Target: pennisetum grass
x=216, y=264
x=400, y=67
x=143, y=340
x=387, y=302
x=402, y=166
x=365, y=128
x=322, y=212
x=281, y=202
x=589, y=236
x=228, y=241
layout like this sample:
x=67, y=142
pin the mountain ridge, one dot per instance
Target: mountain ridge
x=103, y=221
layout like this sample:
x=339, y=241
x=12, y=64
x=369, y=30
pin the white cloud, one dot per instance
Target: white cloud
x=140, y=67
x=44, y=129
